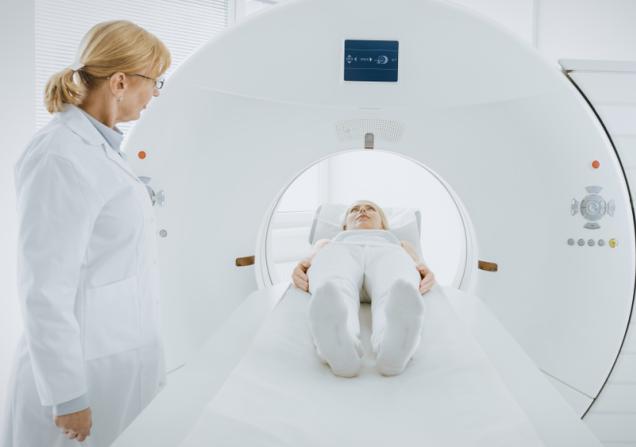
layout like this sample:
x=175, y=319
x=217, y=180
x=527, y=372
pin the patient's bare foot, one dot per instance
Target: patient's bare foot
x=404, y=310
x=335, y=344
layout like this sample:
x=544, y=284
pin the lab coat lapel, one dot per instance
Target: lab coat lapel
x=79, y=124
x=119, y=161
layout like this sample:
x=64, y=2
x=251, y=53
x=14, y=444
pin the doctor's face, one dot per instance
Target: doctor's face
x=141, y=88
x=363, y=215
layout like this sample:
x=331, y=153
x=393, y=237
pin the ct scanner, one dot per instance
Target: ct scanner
x=544, y=202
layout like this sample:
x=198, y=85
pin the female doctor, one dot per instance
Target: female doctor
x=90, y=359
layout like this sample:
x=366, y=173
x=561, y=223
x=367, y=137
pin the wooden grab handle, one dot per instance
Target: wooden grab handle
x=488, y=266
x=244, y=261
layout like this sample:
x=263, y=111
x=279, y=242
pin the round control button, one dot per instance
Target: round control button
x=593, y=207
x=163, y=233
x=613, y=243
x=601, y=242
x=570, y=241
x=581, y=242
x=591, y=242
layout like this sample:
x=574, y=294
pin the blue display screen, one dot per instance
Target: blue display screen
x=371, y=60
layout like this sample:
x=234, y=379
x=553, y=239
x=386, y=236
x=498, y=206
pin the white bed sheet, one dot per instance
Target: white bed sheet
x=280, y=394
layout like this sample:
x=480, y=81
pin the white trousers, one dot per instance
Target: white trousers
x=355, y=266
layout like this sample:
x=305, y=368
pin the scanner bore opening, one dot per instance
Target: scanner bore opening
x=385, y=177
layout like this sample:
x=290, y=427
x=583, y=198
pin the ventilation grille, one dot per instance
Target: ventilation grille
x=355, y=130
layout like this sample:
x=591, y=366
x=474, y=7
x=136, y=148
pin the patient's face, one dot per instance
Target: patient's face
x=363, y=216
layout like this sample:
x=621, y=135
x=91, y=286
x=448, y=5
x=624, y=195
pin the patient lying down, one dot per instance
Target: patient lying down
x=365, y=254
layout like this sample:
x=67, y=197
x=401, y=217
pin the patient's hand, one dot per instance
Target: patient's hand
x=299, y=276
x=428, y=278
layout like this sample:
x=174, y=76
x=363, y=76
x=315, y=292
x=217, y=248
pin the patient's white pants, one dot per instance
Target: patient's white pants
x=354, y=266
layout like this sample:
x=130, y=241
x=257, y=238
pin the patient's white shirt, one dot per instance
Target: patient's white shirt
x=366, y=237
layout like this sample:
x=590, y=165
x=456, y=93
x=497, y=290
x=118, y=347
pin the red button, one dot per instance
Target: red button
x=141, y=155
x=596, y=164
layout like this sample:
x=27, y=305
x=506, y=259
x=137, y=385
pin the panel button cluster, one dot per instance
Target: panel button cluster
x=612, y=243
x=593, y=207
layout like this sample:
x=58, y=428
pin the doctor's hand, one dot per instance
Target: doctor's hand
x=76, y=425
x=428, y=278
x=299, y=276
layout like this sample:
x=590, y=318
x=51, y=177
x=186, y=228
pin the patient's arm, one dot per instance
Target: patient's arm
x=408, y=247
x=427, y=277
x=317, y=246
x=299, y=275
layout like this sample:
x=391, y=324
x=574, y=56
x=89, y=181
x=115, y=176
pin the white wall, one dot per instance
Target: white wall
x=567, y=29
x=17, y=124
x=587, y=29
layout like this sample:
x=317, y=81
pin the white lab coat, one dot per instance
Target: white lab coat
x=88, y=285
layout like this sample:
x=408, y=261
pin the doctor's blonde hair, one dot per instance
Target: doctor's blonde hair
x=383, y=219
x=107, y=48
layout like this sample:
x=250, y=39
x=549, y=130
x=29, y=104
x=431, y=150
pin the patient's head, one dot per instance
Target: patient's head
x=365, y=215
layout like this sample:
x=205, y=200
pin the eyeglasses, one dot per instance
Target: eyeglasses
x=158, y=82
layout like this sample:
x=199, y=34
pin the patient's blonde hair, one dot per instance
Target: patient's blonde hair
x=383, y=219
x=107, y=48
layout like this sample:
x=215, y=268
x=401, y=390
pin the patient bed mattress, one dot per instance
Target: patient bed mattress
x=257, y=382
x=452, y=393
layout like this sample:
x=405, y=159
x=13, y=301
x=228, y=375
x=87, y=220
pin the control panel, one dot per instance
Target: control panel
x=371, y=60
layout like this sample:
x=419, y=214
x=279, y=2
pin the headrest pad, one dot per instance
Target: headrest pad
x=405, y=223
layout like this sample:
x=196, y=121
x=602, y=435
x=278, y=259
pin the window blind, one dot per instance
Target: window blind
x=60, y=25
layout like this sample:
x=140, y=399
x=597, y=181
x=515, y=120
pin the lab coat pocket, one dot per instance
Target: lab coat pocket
x=111, y=319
